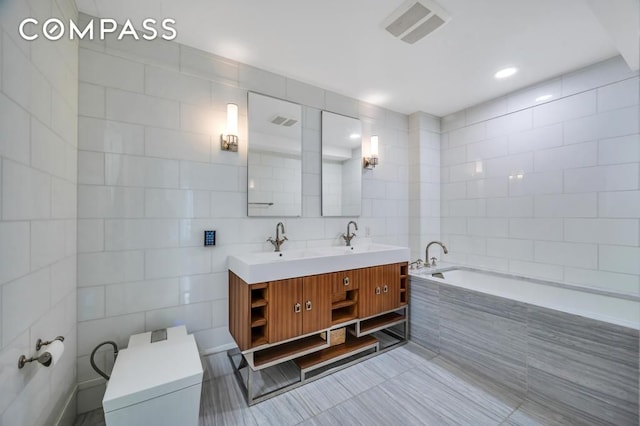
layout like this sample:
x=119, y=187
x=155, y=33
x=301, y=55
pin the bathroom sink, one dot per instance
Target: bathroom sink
x=269, y=266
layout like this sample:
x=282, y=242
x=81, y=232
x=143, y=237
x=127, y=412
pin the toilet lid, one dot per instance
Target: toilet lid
x=148, y=371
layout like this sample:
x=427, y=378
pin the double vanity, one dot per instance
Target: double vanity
x=314, y=311
x=297, y=315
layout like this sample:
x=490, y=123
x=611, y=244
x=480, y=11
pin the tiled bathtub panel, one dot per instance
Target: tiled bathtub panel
x=486, y=334
x=424, y=324
x=584, y=366
x=574, y=402
x=609, y=341
x=486, y=303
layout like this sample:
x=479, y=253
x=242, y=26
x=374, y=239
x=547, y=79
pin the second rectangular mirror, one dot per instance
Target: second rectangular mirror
x=274, y=169
x=341, y=165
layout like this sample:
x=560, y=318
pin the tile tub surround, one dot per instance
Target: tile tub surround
x=581, y=367
x=38, y=182
x=152, y=178
x=548, y=189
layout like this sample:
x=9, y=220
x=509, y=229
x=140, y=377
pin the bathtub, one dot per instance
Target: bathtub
x=572, y=349
x=615, y=308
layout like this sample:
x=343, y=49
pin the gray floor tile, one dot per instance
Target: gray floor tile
x=423, y=396
x=421, y=351
x=385, y=365
x=358, y=378
x=223, y=404
x=373, y=407
x=532, y=414
x=323, y=419
x=216, y=365
x=481, y=389
x=408, y=385
x=281, y=410
x=322, y=394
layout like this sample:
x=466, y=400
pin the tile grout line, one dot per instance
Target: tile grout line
x=512, y=413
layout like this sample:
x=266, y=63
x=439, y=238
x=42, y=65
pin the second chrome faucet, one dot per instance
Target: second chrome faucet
x=277, y=243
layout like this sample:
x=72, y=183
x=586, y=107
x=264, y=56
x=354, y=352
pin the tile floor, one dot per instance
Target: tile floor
x=406, y=386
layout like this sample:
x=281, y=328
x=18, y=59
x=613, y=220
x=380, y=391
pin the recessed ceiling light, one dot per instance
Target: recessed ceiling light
x=543, y=98
x=507, y=72
x=354, y=135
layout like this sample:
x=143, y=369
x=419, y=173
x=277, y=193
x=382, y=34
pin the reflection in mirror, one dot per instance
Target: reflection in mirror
x=274, y=172
x=341, y=165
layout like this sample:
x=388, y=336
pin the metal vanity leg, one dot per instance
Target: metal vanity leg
x=249, y=385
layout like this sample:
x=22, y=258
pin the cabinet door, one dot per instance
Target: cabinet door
x=316, y=302
x=370, y=292
x=285, y=309
x=390, y=287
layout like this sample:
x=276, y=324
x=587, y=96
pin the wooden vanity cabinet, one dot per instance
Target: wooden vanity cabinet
x=299, y=306
x=271, y=312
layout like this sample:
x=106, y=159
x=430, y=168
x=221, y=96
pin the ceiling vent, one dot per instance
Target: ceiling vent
x=415, y=20
x=279, y=120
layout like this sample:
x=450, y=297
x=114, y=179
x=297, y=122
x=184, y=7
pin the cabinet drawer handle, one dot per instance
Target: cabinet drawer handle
x=297, y=308
x=308, y=305
x=385, y=289
x=377, y=290
x=345, y=280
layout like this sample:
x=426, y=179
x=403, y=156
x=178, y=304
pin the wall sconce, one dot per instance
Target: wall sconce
x=229, y=140
x=372, y=161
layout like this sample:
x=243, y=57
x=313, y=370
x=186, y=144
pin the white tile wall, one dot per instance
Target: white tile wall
x=574, y=215
x=38, y=185
x=425, y=184
x=152, y=178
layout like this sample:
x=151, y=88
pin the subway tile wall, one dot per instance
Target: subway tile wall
x=152, y=178
x=549, y=190
x=424, y=184
x=38, y=182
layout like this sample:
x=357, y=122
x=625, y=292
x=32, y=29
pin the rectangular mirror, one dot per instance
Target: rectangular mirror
x=341, y=165
x=274, y=157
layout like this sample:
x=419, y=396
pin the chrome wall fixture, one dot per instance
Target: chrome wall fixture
x=44, y=358
x=372, y=161
x=229, y=139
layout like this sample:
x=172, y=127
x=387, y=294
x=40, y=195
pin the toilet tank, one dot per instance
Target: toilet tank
x=155, y=383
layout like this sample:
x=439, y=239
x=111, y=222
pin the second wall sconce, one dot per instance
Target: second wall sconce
x=229, y=140
x=372, y=161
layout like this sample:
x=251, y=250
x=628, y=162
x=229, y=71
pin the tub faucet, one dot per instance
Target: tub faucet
x=433, y=259
x=350, y=236
x=277, y=243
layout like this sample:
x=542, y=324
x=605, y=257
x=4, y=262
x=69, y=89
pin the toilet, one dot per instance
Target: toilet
x=157, y=380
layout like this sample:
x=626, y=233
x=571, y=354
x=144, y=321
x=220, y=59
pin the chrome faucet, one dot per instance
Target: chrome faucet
x=277, y=243
x=349, y=235
x=433, y=259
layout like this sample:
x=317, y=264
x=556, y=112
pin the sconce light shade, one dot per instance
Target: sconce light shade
x=229, y=140
x=372, y=161
x=374, y=146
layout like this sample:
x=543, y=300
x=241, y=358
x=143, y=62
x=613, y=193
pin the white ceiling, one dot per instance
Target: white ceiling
x=342, y=46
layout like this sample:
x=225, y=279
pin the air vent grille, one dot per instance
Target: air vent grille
x=279, y=120
x=414, y=20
